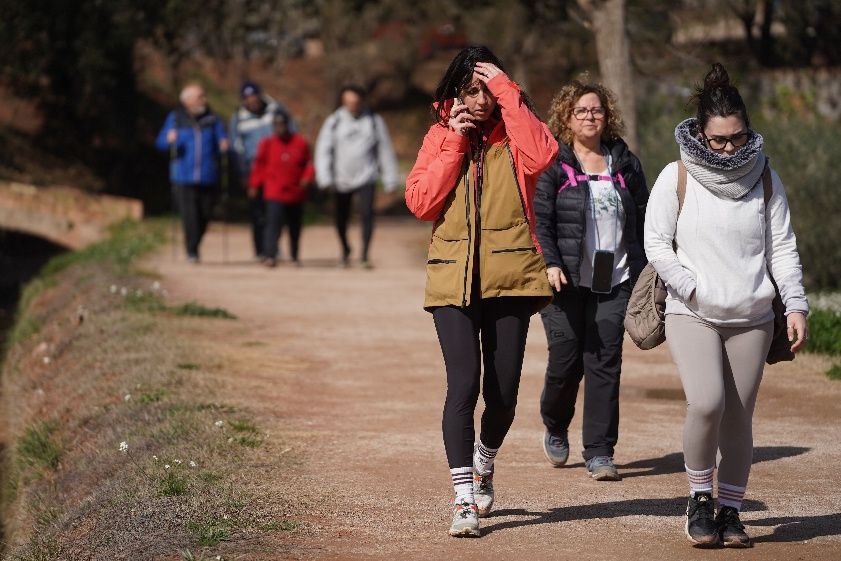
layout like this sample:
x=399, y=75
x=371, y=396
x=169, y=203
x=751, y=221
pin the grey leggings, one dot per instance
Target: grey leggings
x=720, y=368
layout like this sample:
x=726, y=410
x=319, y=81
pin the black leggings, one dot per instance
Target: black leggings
x=500, y=325
x=280, y=215
x=344, y=202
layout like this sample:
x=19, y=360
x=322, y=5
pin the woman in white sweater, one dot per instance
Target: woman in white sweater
x=719, y=321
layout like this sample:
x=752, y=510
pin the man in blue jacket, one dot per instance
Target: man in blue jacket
x=251, y=123
x=195, y=138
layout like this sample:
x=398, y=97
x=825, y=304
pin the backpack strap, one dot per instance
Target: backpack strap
x=767, y=187
x=681, y=193
x=681, y=185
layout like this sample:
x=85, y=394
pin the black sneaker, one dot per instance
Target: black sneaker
x=701, y=527
x=730, y=528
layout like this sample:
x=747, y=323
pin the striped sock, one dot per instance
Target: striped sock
x=730, y=495
x=700, y=481
x=463, y=484
x=483, y=459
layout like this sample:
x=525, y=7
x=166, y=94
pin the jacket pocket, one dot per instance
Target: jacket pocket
x=446, y=271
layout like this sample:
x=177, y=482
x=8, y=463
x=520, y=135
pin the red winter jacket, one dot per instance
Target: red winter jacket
x=437, y=169
x=282, y=168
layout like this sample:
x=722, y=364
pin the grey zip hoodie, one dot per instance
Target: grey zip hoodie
x=353, y=151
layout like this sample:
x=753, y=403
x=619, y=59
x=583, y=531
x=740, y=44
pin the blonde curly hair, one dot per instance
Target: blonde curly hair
x=562, y=104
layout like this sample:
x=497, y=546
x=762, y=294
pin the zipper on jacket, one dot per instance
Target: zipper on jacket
x=514, y=250
x=440, y=261
x=197, y=164
x=469, y=233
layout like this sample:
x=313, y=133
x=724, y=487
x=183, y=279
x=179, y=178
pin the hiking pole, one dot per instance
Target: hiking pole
x=225, y=207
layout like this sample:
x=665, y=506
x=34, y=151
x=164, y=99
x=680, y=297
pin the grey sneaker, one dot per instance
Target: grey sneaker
x=483, y=491
x=465, y=521
x=556, y=448
x=601, y=468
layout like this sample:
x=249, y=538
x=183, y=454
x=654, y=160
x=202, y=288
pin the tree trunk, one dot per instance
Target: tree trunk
x=613, y=50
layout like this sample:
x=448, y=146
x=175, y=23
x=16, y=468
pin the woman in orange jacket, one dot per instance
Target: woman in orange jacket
x=475, y=178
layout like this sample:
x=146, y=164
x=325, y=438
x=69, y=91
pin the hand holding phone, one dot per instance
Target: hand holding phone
x=461, y=121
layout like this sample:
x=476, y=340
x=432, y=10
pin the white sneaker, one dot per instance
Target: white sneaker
x=465, y=521
x=483, y=491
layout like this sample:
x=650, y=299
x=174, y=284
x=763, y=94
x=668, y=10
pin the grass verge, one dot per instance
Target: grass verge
x=117, y=444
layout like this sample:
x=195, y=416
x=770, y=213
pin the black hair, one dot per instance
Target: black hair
x=459, y=75
x=717, y=97
x=278, y=112
x=355, y=88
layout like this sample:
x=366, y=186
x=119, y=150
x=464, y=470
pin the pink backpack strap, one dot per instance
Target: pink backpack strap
x=621, y=180
x=570, y=171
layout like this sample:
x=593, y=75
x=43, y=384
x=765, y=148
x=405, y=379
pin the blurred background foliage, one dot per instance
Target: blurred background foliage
x=84, y=84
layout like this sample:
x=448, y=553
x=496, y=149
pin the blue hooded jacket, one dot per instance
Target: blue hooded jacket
x=196, y=148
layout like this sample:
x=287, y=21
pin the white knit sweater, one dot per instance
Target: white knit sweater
x=725, y=250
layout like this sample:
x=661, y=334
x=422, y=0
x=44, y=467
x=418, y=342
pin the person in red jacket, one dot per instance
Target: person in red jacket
x=283, y=168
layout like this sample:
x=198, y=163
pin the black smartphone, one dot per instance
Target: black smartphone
x=602, y=272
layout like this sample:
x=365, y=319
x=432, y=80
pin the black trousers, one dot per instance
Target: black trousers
x=278, y=216
x=257, y=215
x=344, y=203
x=195, y=205
x=585, y=332
x=490, y=333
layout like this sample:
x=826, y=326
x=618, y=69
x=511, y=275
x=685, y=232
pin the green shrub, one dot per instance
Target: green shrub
x=834, y=373
x=824, y=332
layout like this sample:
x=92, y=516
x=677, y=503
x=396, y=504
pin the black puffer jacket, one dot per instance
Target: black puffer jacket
x=561, y=215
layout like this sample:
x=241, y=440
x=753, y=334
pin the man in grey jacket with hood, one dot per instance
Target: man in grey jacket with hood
x=352, y=152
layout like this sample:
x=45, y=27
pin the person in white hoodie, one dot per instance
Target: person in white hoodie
x=728, y=246
x=352, y=152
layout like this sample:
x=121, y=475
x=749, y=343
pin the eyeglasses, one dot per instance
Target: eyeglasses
x=720, y=142
x=580, y=113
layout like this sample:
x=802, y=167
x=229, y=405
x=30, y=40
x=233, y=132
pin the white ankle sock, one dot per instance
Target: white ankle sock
x=730, y=495
x=700, y=481
x=463, y=484
x=483, y=459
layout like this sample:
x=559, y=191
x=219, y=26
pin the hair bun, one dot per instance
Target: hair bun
x=716, y=78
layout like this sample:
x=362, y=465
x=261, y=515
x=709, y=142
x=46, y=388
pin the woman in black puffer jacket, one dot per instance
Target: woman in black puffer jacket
x=590, y=210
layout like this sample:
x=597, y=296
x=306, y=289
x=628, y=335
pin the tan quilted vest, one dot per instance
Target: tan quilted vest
x=509, y=264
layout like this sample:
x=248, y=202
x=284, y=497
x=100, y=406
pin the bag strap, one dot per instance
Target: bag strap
x=681, y=185
x=767, y=188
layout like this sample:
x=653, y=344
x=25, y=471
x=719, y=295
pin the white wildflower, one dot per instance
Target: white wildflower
x=177, y=462
x=123, y=446
x=124, y=291
x=224, y=517
x=47, y=360
x=193, y=464
x=219, y=423
x=156, y=286
x=127, y=397
x=138, y=293
x=166, y=466
x=154, y=457
x=114, y=289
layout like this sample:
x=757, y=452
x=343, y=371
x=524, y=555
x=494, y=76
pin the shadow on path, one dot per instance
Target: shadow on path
x=617, y=509
x=788, y=528
x=794, y=529
x=673, y=463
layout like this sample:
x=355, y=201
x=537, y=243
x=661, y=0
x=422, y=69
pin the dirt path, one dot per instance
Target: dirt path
x=343, y=369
